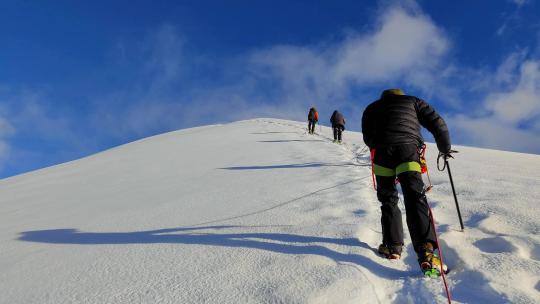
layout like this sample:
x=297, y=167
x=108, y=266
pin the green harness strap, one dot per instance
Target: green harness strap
x=403, y=167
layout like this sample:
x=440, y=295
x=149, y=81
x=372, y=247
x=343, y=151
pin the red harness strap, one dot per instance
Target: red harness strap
x=372, y=151
x=423, y=166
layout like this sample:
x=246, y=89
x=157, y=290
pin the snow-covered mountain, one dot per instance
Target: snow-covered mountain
x=259, y=211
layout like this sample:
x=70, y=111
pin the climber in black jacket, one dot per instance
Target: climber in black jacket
x=391, y=129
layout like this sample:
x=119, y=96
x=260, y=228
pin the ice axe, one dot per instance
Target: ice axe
x=446, y=156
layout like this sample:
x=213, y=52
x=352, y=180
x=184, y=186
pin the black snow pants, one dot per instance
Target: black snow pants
x=311, y=126
x=402, y=161
x=337, y=131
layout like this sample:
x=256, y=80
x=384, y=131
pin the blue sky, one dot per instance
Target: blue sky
x=78, y=77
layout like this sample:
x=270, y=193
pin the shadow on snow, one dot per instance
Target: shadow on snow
x=290, y=140
x=290, y=166
x=274, y=242
x=273, y=132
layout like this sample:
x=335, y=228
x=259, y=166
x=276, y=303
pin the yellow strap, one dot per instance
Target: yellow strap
x=408, y=166
x=403, y=167
x=383, y=171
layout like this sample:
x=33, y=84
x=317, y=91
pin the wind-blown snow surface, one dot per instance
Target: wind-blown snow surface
x=258, y=211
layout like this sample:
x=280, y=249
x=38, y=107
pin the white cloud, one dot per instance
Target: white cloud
x=491, y=132
x=404, y=46
x=165, y=58
x=512, y=117
x=29, y=115
x=502, y=29
x=4, y=152
x=30, y=111
x=512, y=19
x=535, y=126
x=506, y=72
x=523, y=101
x=519, y=3
x=149, y=102
x=6, y=131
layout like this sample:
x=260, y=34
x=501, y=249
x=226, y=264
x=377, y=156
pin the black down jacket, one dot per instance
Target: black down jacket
x=337, y=120
x=396, y=119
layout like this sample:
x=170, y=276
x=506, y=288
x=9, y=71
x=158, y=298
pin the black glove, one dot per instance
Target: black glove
x=447, y=155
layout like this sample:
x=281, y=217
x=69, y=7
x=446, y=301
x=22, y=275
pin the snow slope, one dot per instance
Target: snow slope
x=258, y=211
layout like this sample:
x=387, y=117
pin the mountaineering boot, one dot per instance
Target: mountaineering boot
x=429, y=261
x=425, y=256
x=392, y=252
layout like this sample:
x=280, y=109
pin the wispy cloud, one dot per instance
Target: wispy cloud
x=511, y=108
x=146, y=100
x=490, y=132
x=519, y=3
x=512, y=19
x=403, y=46
x=521, y=103
x=30, y=111
x=6, y=131
x=30, y=122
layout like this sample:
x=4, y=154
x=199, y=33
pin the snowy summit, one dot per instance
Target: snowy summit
x=259, y=211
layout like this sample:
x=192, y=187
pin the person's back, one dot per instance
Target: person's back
x=391, y=128
x=338, y=125
x=313, y=118
x=397, y=119
x=337, y=119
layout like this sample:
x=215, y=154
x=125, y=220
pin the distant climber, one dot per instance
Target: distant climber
x=391, y=129
x=313, y=118
x=338, y=125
